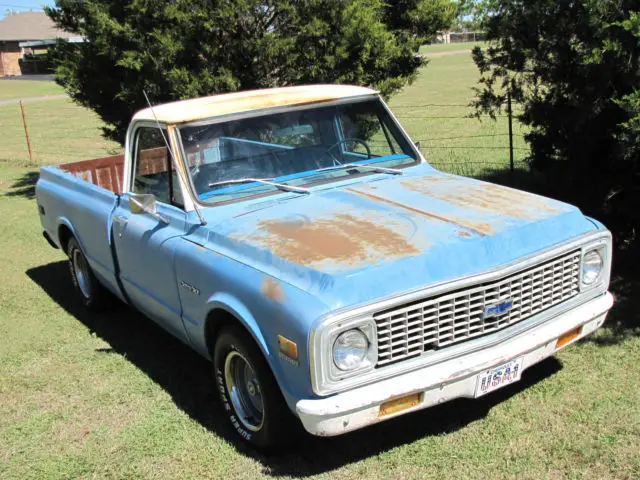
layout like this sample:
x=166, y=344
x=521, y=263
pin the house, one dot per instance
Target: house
x=25, y=35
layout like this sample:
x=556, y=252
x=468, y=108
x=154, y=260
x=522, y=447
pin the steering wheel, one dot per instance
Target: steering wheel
x=346, y=140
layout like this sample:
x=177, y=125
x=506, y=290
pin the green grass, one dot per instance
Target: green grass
x=449, y=47
x=27, y=88
x=435, y=111
x=59, y=131
x=112, y=396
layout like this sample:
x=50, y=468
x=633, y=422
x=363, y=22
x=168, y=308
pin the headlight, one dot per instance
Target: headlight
x=350, y=349
x=591, y=267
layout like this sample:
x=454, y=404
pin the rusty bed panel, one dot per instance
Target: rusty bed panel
x=108, y=172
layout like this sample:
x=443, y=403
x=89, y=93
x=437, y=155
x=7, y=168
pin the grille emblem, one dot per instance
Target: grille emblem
x=497, y=309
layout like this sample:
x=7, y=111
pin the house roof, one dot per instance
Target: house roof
x=228, y=103
x=30, y=26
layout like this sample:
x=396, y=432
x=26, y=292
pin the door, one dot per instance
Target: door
x=145, y=244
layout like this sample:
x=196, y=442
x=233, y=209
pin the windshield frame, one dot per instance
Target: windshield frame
x=419, y=158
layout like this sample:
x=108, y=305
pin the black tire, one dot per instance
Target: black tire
x=278, y=426
x=89, y=290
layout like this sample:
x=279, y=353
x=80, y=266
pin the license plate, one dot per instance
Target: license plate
x=498, y=377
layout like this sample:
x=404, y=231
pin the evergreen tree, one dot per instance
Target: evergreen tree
x=176, y=49
x=574, y=66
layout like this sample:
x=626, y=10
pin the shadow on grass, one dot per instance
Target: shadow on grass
x=25, y=186
x=188, y=380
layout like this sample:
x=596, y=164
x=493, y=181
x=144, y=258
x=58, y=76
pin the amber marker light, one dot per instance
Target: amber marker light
x=568, y=337
x=288, y=347
x=399, y=404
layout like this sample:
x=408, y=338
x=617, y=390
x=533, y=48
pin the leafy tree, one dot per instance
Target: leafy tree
x=470, y=14
x=574, y=66
x=176, y=49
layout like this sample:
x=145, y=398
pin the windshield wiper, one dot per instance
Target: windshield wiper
x=392, y=171
x=265, y=181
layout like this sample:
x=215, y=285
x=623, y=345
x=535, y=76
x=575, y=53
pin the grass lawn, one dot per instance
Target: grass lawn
x=59, y=130
x=449, y=47
x=27, y=88
x=113, y=396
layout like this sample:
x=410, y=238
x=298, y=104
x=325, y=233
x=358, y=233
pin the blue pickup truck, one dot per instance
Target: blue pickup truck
x=298, y=239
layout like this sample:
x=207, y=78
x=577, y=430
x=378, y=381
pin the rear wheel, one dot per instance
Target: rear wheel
x=249, y=394
x=90, y=291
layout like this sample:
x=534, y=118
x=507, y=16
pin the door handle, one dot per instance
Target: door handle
x=122, y=221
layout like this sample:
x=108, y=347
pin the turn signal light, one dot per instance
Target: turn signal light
x=399, y=404
x=568, y=337
x=288, y=347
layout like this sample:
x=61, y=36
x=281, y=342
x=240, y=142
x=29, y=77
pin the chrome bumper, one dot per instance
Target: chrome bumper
x=449, y=379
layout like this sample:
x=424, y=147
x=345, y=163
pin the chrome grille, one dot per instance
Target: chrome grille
x=412, y=329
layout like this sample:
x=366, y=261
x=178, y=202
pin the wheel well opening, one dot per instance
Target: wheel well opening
x=217, y=319
x=64, y=235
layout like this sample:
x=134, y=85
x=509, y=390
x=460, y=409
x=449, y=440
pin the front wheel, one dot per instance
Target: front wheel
x=249, y=394
x=90, y=291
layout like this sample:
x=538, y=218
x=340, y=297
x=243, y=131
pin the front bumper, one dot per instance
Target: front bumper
x=449, y=379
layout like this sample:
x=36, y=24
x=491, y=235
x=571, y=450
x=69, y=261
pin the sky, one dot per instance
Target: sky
x=23, y=5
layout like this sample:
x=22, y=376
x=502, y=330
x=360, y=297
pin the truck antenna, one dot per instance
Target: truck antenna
x=166, y=142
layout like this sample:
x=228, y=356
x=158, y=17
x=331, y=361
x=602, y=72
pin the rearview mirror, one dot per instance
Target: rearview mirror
x=145, y=203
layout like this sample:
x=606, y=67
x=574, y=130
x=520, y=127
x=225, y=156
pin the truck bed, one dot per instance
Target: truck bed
x=105, y=172
x=108, y=172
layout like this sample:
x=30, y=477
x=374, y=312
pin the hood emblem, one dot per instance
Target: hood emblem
x=497, y=309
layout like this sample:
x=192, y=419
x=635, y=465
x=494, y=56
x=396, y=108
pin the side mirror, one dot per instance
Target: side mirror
x=145, y=203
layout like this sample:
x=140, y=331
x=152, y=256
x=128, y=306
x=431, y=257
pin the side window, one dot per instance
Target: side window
x=154, y=172
x=358, y=122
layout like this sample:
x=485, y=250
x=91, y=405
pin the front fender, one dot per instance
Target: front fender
x=232, y=305
x=208, y=280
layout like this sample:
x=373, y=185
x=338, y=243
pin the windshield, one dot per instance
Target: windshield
x=291, y=149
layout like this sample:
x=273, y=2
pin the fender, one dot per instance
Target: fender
x=229, y=303
x=67, y=223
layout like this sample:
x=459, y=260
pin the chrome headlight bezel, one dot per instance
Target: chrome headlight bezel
x=603, y=248
x=340, y=360
x=588, y=277
x=326, y=370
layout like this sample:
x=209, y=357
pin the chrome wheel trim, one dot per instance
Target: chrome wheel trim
x=244, y=390
x=81, y=270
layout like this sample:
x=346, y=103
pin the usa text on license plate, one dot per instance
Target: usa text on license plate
x=499, y=376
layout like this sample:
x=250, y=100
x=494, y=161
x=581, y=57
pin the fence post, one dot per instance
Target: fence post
x=510, y=115
x=26, y=132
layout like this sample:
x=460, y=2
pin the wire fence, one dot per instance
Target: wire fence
x=454, y=140
x=450, y=138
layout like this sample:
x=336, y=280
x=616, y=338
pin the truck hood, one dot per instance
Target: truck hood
x=352, y=244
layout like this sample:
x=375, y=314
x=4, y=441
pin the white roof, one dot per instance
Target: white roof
x=228, y=103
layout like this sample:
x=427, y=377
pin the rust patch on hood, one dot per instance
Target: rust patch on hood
x=272, y=289
x=480, y=196
x=342, y=239
x=481, y=228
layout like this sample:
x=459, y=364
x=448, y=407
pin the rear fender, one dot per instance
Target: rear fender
x=64, y=221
